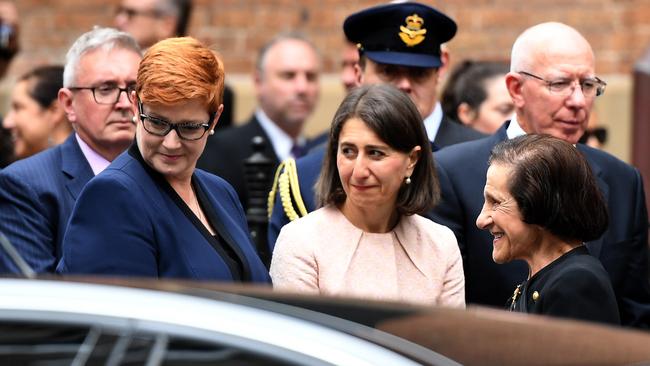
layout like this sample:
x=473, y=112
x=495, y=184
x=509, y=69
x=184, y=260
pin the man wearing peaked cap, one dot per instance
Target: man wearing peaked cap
x=398, y=44
x=408, y=34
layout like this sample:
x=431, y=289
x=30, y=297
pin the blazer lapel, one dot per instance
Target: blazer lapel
x=595, y=246
x=223, y=231
x=74, y=166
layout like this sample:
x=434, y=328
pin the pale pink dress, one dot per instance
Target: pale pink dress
x=418, y=262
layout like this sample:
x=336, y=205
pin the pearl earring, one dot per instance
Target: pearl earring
x=407, y=180
x=211, y=132
x=134, y=119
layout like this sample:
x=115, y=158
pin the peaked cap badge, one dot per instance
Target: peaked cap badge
x=413, y=33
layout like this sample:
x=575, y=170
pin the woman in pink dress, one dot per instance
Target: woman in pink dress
x=368, y=239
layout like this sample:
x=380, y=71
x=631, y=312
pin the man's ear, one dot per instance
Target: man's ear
x=65, y=100
x=514, y=83
x=358, y=74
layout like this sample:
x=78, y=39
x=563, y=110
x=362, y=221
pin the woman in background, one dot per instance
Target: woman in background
x=541, y=205
x=476, y=96
x=151, y=213
x=367, y=240
x=35, y=120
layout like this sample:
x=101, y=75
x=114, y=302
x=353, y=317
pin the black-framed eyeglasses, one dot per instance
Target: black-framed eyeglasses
x=160, y=127
x=107, y=94
x=591, y=87
x=132, y=13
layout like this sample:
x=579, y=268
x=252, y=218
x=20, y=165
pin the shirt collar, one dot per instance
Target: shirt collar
x=96, y=161
x=280, y=140
x=432, y=122
x=514, y=129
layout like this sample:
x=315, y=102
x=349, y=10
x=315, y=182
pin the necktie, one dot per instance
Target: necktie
x=297, y=151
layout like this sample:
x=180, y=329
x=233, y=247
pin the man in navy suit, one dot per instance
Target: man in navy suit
x=398, y=44
x=553, y=85
x=37, y=194
x=287, y=86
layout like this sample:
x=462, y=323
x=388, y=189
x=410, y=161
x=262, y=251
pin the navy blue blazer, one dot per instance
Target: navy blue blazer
x=124, y=223
x=622, y=249
x=36, y=198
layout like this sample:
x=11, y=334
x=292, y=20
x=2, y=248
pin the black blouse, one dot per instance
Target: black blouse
x=231, y=255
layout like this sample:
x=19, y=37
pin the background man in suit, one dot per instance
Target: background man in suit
x=287, y=86
x=399, y=44
x=37, y=194
x=150, y=21
x=553, y=85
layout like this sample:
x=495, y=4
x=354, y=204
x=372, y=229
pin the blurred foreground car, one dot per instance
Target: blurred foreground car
x=45, y=322
x=103, y=321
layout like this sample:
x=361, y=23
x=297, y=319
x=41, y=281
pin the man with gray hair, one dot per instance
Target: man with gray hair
x=553, y=85
x=37, y=194
x=287, y=86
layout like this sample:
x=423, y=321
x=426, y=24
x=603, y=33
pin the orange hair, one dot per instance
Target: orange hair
x=178, y=69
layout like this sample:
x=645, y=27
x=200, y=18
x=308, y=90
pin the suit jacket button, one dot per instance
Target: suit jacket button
x=535, y=296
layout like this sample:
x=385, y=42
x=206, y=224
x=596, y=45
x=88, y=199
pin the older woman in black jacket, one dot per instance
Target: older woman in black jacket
x=541, y=204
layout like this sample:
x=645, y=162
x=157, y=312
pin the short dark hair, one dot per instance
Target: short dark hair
x=553, y=186
x=44, y=84
x=390, y=114
x=466, y=84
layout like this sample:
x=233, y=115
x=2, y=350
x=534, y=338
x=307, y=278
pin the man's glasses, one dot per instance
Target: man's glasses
x=160, y=127
x=591, y=87
x=107, y=94
x=132, y=13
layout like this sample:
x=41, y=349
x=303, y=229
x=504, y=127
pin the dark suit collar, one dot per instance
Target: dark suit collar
x=502, y=132
x=595, y=246
x=75, y=166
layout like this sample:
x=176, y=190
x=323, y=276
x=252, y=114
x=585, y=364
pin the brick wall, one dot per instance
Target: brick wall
x=619, y=30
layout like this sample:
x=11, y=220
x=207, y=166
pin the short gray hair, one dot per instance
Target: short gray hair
x=104, y=38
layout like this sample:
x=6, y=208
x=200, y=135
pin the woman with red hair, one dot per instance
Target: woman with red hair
x=152, y=213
